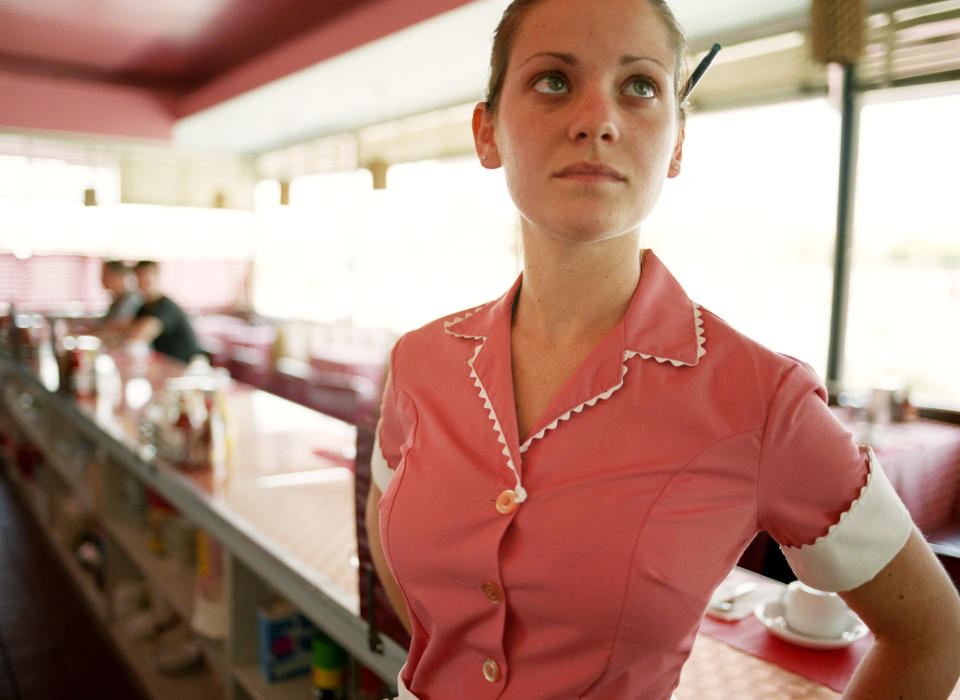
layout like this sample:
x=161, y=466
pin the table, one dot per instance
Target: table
x=720, y=669
x=717, y=671
x=922, y=460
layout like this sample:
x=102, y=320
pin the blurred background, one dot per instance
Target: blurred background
x=309, y=167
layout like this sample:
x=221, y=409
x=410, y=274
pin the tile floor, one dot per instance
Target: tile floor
x=51, y=646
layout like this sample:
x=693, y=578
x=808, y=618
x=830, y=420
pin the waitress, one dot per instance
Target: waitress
x=564, y=475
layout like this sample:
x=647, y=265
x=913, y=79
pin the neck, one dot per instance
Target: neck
x=153, y=296
x=576, y=290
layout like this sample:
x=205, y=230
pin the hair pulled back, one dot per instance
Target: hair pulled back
x=510, y=20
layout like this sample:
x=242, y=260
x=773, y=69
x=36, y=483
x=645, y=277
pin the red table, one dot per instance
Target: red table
x=743, y=660
x=922, y=460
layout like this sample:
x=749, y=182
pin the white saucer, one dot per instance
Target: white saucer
x=770, y=615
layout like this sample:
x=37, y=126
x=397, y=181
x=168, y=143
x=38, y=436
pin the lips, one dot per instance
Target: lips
x=592, y=172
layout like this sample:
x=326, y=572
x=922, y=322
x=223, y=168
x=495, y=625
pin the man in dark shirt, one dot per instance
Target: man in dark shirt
x=160, y=321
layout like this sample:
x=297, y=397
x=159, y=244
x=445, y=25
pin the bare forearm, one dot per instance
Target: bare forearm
x=914, y=611
x=906, y=671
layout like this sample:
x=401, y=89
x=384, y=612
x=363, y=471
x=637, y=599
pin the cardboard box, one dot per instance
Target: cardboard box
x=284, y=641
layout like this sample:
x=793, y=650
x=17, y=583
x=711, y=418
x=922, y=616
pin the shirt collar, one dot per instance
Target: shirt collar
x=661, y=322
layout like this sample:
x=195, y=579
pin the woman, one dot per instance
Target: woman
x=563, y=476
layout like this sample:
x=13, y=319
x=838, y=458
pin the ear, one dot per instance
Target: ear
x=483, y=137
x=677, y=156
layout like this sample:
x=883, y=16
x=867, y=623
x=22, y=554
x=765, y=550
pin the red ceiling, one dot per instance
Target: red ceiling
x=179, y=55
x=175, y=45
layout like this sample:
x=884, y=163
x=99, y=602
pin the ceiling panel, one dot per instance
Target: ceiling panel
x=174, y=45
x=250, y=75
x=437, y=63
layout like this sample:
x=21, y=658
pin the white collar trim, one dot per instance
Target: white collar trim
x=447, y=325
x=518, y=489
x=488, y=405
x=627, y=354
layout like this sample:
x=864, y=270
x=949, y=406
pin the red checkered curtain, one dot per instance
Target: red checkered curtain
x=52, y=283
x=10, y=280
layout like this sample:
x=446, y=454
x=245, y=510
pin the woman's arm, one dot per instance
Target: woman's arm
x=913, y=609
x=372, y=519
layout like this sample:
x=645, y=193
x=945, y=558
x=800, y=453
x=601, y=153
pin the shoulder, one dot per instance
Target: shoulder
x=147, y=308
x=433, y=344
x=749, y=371
x=439, y=330
x=170, y=307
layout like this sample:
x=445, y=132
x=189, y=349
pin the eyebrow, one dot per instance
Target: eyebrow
x=572, y=60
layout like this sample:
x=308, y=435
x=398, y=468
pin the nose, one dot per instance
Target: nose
x=594, y=118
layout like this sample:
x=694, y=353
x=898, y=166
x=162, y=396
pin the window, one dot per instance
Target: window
x=439, y=239
x=904, y=310
x=748, y=227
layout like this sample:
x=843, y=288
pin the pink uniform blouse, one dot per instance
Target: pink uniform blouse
x=578, y=563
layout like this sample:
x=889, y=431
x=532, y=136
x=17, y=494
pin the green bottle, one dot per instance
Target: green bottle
x=329, y=668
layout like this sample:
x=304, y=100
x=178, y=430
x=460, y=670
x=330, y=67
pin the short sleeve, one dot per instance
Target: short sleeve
x=822, y=497
x=394, y=430
x=379, y=467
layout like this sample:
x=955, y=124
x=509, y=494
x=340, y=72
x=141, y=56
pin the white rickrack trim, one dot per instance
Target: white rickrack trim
x=864, y=540
x=698, y=322
x=518, y=489
x=701, y=351
x=458, y=319
x=577, y=409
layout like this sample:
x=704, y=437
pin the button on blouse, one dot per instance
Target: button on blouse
x=491, y=670
x=601, y=537
x=507, y=502
x=492, y=591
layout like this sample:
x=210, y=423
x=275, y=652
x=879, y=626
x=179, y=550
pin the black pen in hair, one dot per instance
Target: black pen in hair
x=700, y=70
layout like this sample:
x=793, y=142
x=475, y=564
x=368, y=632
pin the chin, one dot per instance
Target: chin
x=592, y=233
x=580, y=221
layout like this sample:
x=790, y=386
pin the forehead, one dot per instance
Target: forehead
x=593, y=28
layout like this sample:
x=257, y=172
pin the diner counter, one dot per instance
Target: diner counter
x=282, y=505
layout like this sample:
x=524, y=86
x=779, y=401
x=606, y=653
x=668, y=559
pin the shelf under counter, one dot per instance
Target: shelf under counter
x=200, y=683
x=91, y=593
x=168, y=576
x=284, y=505
x=252, y=680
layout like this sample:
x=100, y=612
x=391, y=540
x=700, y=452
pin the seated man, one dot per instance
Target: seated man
x=118, y=279
x=160, y=321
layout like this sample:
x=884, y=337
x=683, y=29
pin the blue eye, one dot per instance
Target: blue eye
x=551, y=85
x=640, y=87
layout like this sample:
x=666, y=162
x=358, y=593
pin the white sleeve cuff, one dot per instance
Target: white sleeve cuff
x=379, y=469
x=862, y=542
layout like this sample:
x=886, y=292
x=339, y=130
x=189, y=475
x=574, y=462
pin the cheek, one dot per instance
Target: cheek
x=523, y=165
x=518, y=186
x=655, y=153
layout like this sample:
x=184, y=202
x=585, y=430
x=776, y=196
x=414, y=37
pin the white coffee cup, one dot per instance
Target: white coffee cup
x=813, y=612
